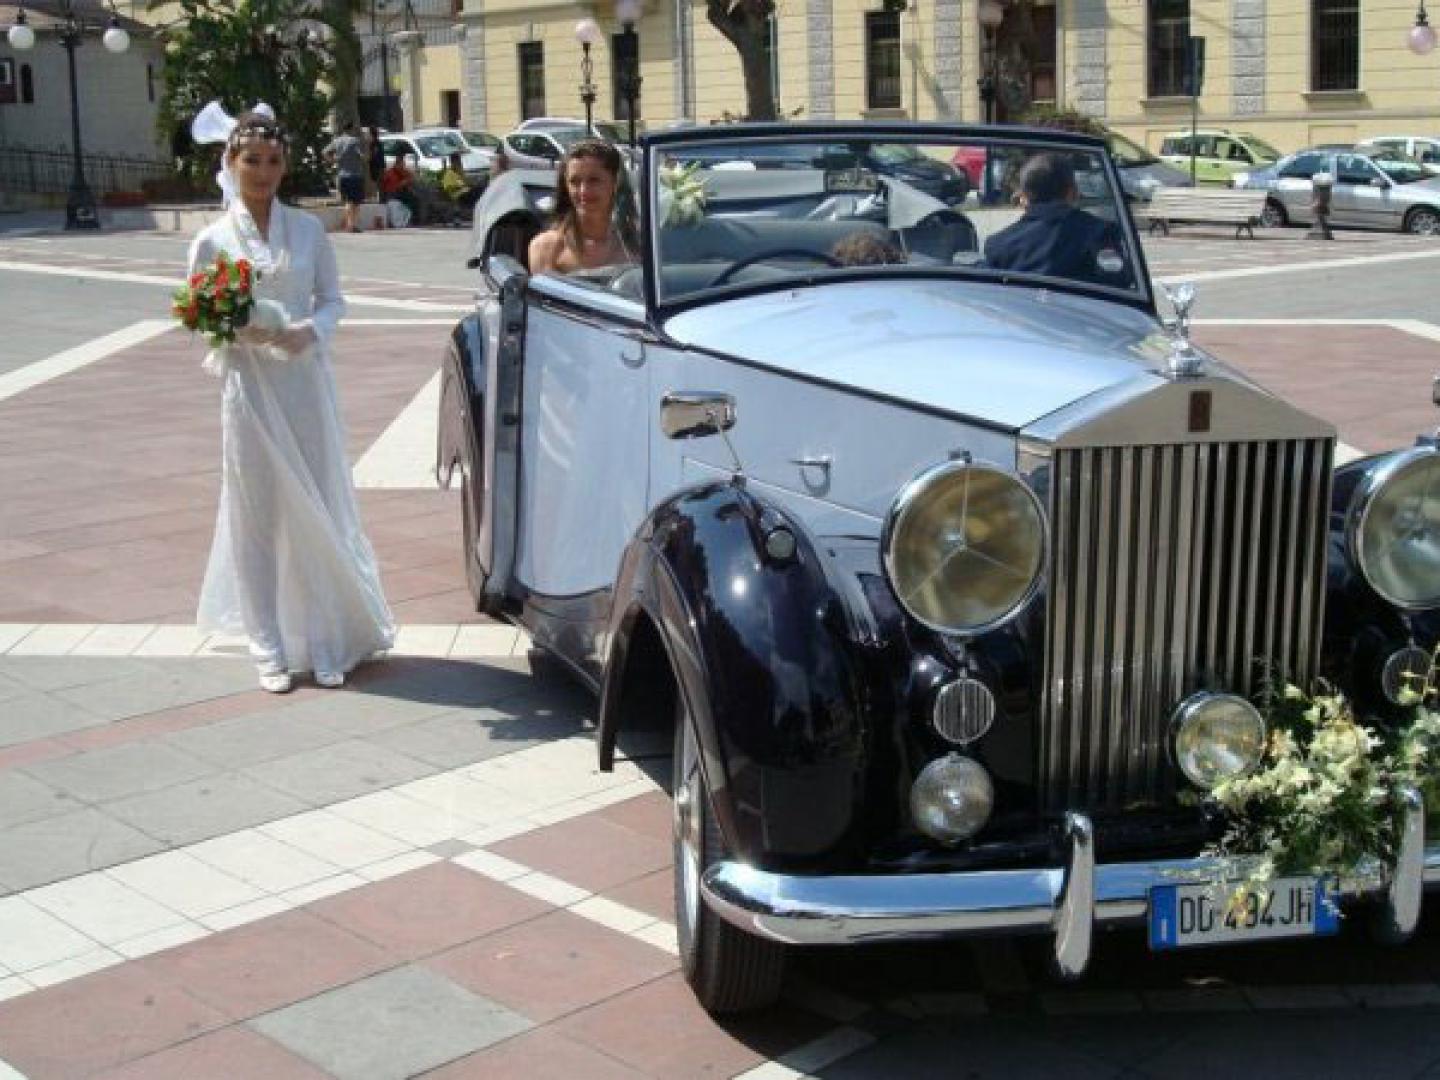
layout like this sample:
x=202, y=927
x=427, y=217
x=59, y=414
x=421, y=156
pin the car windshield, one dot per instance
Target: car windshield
x=481, y=139
x=1261, y=147
x=568, y=137
x=440, y=145
x=1127, y=154
x=725, y=219
x=1398, y=167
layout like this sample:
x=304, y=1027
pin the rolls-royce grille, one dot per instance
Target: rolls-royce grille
x=1172, y=569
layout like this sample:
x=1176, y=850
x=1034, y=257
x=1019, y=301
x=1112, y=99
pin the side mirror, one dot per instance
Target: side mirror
x=694, y=414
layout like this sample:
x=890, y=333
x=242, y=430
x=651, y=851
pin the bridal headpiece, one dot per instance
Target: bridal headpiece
x=213, y=124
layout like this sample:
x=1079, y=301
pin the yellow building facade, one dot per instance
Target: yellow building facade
x=1295, y=72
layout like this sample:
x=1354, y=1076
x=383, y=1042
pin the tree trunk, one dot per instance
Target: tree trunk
x=746, y=25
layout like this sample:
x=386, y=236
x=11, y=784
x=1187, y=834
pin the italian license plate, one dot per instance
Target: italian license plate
x=1186, y=915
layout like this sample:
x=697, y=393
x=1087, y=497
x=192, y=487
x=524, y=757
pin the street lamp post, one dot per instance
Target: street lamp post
x=587, y=33
x=1421, y=39
x=991, y=14
x=628, y=12
x=80, y=211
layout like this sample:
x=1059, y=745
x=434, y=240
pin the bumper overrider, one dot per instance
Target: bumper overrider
x=1067, y=901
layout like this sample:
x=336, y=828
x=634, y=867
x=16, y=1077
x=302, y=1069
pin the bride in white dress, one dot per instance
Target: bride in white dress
x=290, y=567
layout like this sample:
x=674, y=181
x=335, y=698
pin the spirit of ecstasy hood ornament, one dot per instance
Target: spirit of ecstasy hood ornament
x=1184, y=359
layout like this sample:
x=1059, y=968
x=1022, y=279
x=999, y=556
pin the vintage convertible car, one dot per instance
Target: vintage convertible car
x=954, y=581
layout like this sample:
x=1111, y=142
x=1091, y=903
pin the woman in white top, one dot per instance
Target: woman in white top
x=588, y=233
x=290, y=566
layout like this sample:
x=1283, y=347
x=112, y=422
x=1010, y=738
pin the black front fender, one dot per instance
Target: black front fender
x=763, y=654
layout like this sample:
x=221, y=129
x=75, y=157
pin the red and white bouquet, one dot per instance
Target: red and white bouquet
x=219, y=299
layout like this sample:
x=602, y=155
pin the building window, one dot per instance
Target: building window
x=27, y=85
x=450, y=108
x=150, y=82
x=532, y=79
x=1042, y=64
x=1335, y=45
x=7, y=82
x=882, y=60
x=1169, y=31
x=624, y=56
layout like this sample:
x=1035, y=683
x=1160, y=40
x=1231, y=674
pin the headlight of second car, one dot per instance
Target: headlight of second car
x=1393, y=529
x=963, y=546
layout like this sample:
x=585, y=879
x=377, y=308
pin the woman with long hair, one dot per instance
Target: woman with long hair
x=290, y=566
x=594, y=224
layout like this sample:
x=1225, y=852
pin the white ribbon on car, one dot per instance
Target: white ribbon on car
x=213, y=124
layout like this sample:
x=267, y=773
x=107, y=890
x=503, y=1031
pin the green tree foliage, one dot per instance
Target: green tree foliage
x=282, y=52
x=746, y=25
x=1048, y=116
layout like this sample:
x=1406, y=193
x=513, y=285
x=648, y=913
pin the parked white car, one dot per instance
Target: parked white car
x=1422, y=149
x=481, y=142
x=431, y=149
x=606, y=129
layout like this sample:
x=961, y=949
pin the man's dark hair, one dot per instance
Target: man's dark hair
x=1047, y=178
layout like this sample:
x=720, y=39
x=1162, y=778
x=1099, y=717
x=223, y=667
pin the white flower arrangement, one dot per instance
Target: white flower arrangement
x=1327, y=794
x=683, y=193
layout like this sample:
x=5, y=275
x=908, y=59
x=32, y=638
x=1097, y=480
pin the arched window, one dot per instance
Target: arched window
x=27, y=85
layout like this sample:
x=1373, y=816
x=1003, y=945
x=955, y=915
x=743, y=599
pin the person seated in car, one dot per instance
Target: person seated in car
x=866, y=249
x=1054, y=236
x=588, y=233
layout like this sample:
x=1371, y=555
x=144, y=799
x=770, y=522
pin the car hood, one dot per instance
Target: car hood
x=1004, y=355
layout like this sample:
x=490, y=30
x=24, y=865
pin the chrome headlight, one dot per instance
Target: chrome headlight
x=952, y=799
x=1393, y=529
x=963, y=546
x=1217, y=736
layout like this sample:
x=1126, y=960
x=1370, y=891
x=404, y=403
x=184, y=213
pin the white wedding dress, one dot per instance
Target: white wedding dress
x=290, y=566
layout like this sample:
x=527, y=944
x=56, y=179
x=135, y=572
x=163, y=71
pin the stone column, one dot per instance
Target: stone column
x=1247, y=63
x=409, y=43
x=1091, y=61
x=820, y=54
x=948, y=61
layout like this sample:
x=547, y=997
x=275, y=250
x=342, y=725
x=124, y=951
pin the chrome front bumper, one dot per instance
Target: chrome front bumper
x=1067, y=901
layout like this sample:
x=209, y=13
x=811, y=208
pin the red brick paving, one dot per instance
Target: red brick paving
x=234, y=1053
x=536, y=1055
x=654, y=894
x=553, y=965
x=589, y=851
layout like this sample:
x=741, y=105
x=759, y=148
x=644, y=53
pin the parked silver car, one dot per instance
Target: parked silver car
x=1371, y=191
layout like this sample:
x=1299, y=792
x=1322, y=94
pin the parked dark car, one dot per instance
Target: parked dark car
x=953, y=585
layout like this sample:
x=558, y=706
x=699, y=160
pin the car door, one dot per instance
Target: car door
x=1293, y=187
x=1210, y=165
x=1364, y=196
x=585, y=426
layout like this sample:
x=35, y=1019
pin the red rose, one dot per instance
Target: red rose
x=196, y=279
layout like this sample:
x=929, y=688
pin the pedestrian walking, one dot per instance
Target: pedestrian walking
x=290, y=566
x=347, y=152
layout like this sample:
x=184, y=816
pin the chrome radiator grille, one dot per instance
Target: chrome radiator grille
x=1172, y=569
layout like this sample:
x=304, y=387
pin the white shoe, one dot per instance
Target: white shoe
x=331, y=680
x=276, y=682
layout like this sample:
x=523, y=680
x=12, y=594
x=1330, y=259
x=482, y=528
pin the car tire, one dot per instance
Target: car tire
x=470, y=525
x=1423, y=221
x=729, y=970
x=1274, y=215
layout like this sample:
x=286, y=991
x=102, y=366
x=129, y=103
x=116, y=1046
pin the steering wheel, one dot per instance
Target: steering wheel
x=777, y=253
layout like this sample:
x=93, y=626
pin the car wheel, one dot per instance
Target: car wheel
x=1423, y=221
x=1274, y=216
x=729, y=970
x=471, y=527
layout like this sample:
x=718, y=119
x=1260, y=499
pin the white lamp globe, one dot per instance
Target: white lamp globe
x=1421, y=39
x=992, y=14
x=628, y=11
x=587, y=32
x=21, y=37
x=116, y=40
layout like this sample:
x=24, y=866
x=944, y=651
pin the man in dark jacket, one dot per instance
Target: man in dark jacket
x=1054, y=236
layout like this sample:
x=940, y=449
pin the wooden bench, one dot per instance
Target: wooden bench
x=1205, y=206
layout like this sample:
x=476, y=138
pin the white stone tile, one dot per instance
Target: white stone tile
x=417, y=823
x=246, y=913
x=31, y=938
x=114, y=639
x=105, y=909
x=264, y=862
x=825, y=1001
x=183, y=883
x=633, y=790
x=564, y=811
x=424, y=640
x=495, y=867
x=318, y=890
x=400, y=864
x=610, y=914
x=829, y=1048
x=11, y=632
x=54, y=639
x=483, y=639
x=65, y=970
x=224, y=645
x=550, y=889
x=493, y=834
x=171, y=640
x=332, y=838
x=661, y=934
x=161, y=940
x=465, y=797
x=12, y=987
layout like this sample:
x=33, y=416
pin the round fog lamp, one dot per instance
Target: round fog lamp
x=952, y=799
x=1393, y=529
x=1217, y=736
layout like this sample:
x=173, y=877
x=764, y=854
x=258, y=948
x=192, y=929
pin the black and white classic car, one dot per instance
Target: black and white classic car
x=955, y=578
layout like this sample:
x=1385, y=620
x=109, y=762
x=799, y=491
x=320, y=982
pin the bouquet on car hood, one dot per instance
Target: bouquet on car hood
x=220, y=299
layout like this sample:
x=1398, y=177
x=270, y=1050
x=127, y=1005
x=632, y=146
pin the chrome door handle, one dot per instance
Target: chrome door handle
x=816, y=461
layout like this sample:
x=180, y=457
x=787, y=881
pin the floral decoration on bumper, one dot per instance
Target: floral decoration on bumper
x=1327, y=795
x=220, y=299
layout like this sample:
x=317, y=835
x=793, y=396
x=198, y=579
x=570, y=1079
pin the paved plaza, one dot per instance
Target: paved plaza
x=425, y=873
